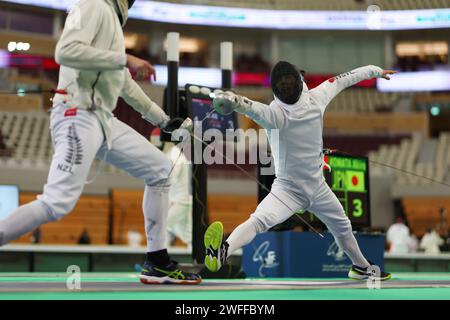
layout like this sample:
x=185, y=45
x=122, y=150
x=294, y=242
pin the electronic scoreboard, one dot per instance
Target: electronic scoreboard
x=199, y=106
x=348, y=178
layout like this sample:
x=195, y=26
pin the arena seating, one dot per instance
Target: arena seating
x=4, y=150
x=363, y=100
x=423, y=213
x=91, y=213
x=127, y=212
x=27, y=134
x=321, y=4
x=405, y=157
x=14, y=103
x=361, y=144
x=376, y=123
x=424, y=101
x=230, y=209
x=27, y=138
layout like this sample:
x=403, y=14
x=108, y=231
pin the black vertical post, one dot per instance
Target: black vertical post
x=226, y=79
x=200, y=171
x=172, y=89
x=199, y=203
x=172, y=96
x=226, y=64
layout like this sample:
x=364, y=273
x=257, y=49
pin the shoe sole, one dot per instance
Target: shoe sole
x=213, y=238
x=357, y=276
x=166, y=280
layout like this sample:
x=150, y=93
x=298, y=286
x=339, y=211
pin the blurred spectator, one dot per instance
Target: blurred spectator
x=36, y=236
x=431, y=241
x=417, y=63
x=398, y=237
x=84, y=237
x=134, y=238
x=255, y=63
x=2, y=143
x=4, y=150
x=442, y=227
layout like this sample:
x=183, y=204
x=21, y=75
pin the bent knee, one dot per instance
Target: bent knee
x=159, y=176
x=340, y=227
x=261, y=223
x=58, y=208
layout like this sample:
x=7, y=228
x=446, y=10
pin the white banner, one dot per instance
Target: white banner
x=208, y=77
x=372, y=19
x=416, y=81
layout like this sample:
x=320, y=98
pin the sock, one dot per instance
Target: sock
x=155, y=207
x=159, y=258
x=24, y=219
x=244, y=234
x=350, y=246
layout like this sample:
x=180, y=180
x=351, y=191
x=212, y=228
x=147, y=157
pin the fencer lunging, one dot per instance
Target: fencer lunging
x=298, y=157
x=94, y=73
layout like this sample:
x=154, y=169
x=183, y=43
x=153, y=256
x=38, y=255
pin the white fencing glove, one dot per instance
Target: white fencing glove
x=227, y=102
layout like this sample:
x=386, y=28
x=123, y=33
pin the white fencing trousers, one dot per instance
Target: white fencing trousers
x=78, y=139
x=271, y=211
x=179, y=221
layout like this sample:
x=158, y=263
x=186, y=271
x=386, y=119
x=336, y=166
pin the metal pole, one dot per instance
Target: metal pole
x=173, y=58
x=226, y=64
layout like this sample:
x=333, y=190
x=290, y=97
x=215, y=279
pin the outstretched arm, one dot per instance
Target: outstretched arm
x=264, y=115
x=133, y=94
x=326, y=91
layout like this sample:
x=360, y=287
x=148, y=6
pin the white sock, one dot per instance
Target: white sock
x=155, y=207
x=350, y=246
x=24, y=219
x=244, y=234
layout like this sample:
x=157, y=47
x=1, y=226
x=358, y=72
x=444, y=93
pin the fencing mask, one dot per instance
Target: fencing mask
x=130, y=3
x=286, y=82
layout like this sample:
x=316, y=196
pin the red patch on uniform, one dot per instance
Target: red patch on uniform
x=331, y=80
x=355, y=180
x=70, y=112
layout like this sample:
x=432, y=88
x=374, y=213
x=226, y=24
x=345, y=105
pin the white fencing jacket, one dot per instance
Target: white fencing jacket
x=295, y=131
x=93, y=71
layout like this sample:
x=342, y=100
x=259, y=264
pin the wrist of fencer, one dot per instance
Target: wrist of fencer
x=378, y=72
x=162, y=123
x=244, y=103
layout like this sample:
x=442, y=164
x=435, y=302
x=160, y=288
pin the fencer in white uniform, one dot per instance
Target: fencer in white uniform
x=93, y=75
x=179, y=219
x=297, y=114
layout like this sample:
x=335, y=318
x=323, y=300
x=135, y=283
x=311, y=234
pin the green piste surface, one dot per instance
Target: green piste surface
x=193, y=294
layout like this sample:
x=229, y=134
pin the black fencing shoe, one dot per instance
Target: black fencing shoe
x=170, y=274
x=216, y=247
x=372, y=271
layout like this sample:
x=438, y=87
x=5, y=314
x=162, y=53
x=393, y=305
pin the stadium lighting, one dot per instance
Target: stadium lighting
x=12, y=46
x=435, y=110
x=18, y=46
